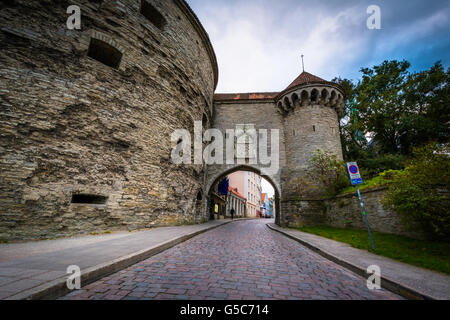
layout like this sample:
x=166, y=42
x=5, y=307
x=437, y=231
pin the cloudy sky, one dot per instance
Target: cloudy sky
x=259, y=42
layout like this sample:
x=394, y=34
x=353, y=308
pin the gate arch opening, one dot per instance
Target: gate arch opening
x=211, y=201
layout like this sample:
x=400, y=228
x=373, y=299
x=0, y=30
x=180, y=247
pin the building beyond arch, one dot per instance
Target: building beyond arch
x=220, y=173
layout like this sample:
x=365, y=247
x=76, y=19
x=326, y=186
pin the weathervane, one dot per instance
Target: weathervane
x=303, y=63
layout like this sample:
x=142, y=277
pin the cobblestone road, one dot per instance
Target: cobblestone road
x=241, y=260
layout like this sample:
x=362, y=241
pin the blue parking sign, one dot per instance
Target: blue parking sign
x=353, y=173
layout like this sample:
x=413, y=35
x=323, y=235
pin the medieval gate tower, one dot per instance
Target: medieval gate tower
x=86, y=118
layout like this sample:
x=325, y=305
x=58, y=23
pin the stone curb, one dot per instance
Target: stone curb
x=386, y=283
x=57, y=288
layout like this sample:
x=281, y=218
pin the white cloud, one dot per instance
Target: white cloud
x=259, y=42
x=259, y=48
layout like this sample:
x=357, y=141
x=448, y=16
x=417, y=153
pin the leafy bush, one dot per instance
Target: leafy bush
x=420, y=193
x=329, y=171
x=389, y=175
x=371, y=167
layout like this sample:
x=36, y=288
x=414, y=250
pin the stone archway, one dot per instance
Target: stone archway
x=304, y=118
x=223, y=172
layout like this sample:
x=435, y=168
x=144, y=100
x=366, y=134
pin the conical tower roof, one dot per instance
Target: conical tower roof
x=305, y=78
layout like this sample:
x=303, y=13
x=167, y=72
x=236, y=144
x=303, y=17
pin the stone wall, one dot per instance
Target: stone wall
x=263, y=115
x=301, y=212
x=345, y=212
x=72, y=125
x=85, y=145
x=304, y=127
x=308, y=128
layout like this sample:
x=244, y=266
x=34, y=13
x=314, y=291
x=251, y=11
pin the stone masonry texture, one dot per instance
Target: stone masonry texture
x=85, y=141
x=70, y=124
x=345, y=212
x=239, y=261
x=305, y=122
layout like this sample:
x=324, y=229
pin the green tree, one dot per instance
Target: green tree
x=426, y=104
x=379, y=103
x=354, y=144
x=420, y=193
x=403, y=110
x=398, y=110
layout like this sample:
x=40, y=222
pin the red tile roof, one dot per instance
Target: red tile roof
x=305, y=78
x=245, y=96
x=236, y=192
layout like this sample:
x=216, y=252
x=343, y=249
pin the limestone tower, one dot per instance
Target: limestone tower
x=310, y=107
x=87, y=115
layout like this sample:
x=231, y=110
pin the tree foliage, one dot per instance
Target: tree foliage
x=397, y=110
x=420, y=193
x=390, y=113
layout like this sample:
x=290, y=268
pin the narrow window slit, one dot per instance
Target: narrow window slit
x=88, y=199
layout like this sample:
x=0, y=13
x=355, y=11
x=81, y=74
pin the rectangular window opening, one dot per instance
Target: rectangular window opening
x=88, y=199
x=153, y=15
x=104, y=53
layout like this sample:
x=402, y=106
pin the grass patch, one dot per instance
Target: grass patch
x=432, y=255
x=384, y=179
x=368, y=184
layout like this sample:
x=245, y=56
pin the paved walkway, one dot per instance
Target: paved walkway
x=241, y=260
x=426, y=282
x=30, y=268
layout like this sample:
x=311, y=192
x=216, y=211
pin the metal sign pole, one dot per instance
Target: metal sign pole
x=365, y=216
x=355, y=177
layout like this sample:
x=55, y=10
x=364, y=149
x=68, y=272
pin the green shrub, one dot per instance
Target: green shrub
x=420, y=192
x=325, y=168
x=389, y=175
x=371, y=167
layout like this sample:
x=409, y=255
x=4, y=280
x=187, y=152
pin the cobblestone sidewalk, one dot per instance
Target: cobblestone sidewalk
x=29, y=269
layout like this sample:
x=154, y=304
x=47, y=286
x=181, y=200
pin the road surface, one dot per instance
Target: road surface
x=241, y=260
